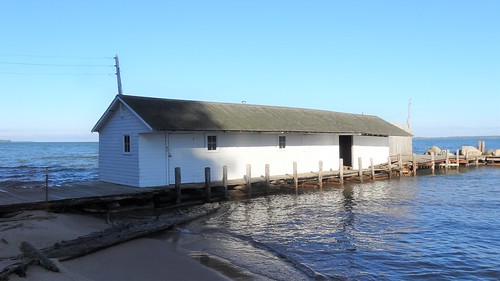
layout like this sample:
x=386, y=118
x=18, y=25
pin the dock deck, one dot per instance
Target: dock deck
x=92, y=191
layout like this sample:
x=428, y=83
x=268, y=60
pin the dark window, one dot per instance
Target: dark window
x=282, y=141
x=212, y=142
x=126, y=143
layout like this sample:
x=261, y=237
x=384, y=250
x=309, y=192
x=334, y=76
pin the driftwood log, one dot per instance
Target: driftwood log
x=81, y=246
x=30, y=252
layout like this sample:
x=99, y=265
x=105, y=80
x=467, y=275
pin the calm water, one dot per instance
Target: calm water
x=430, y=227
x=441, y=227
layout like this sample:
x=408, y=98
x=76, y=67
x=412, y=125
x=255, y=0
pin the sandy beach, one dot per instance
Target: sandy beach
x=148, y=258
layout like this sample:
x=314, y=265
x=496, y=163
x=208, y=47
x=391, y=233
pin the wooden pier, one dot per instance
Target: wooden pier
x=101, y=196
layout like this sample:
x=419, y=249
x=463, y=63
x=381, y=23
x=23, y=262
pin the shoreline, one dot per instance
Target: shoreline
x=148, y=258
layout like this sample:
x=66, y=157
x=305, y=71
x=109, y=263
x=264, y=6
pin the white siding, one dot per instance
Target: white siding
x=152, y=160
x=369, y=147
x=115, y=165
x=235, y=150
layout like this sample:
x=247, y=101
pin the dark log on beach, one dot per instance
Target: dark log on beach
x=67, y=250
x=30, y=251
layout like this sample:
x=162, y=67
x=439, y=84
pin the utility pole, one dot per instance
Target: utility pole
x=118, y=77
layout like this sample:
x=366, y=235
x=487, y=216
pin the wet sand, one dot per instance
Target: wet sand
x=148, y=258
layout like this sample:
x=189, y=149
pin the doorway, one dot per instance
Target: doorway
x=345, y=149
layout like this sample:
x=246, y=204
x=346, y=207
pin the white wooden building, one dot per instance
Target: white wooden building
x=142, y=140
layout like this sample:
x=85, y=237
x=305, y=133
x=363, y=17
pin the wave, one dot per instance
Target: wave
x=280, y=254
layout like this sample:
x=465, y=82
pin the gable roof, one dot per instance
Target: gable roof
x=184, y=115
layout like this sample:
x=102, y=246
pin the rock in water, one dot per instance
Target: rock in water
x=435, y=149
x=471, y=151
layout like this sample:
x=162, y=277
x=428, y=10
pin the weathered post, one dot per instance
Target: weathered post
x=373, y=168
x=447, y=163
x=295, y=176
x=320, y=175
x=360, y=169
x=268, y=178
x=476, y=162
x=483, y=147
x=458, y=158
x=47, y=185
x=389, y=166
x=414, y=165
x=224, y=182
x=249, y=180
x=466, y=159
x=400, y=165
x=177, y=171
x=341, y=171
x=208, y=188
x=433, y=163
x=479, y=146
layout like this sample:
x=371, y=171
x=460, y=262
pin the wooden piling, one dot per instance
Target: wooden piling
x=295, y=176
x=208, y=188
x=447, y=163
x=480, y=146
x=249, y=180
x=400, y=165
x=373, y=168
x=268, y=178
x=224, y=181
x=341, y=171
x=457, y=158
x=360, y=167
x=414, y=164
x=47, y=186
x=433, y=163
x=389, y=166
x=177, y=172
x=476, y=162
x=320, y=175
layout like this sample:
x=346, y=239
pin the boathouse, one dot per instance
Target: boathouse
x=142, y=140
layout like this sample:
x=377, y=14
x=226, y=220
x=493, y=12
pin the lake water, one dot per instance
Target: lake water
x=435, y=227
x=25, y=164
x=430, y=227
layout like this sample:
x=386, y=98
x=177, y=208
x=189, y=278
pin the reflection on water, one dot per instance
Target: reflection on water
x=428, y=227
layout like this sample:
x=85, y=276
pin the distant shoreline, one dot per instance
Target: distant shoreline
x=457, y=137
x=22, y=141
x=415, y=138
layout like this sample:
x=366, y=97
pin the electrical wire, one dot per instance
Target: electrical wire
x=26, y=65
x=52, y=73
x=49, y=56
x=55, y=64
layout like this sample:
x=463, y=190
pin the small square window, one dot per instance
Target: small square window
x=282, y=141
x=212, y=142
x=126, y=143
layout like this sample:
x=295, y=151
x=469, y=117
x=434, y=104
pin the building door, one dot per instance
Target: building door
x=345, y=149
x=182, y=153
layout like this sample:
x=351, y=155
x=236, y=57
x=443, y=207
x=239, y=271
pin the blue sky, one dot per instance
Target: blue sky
x=371, y=57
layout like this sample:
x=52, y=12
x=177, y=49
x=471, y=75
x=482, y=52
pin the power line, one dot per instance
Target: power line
x=50, y=56
x=55, y=64
x=54, y=73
